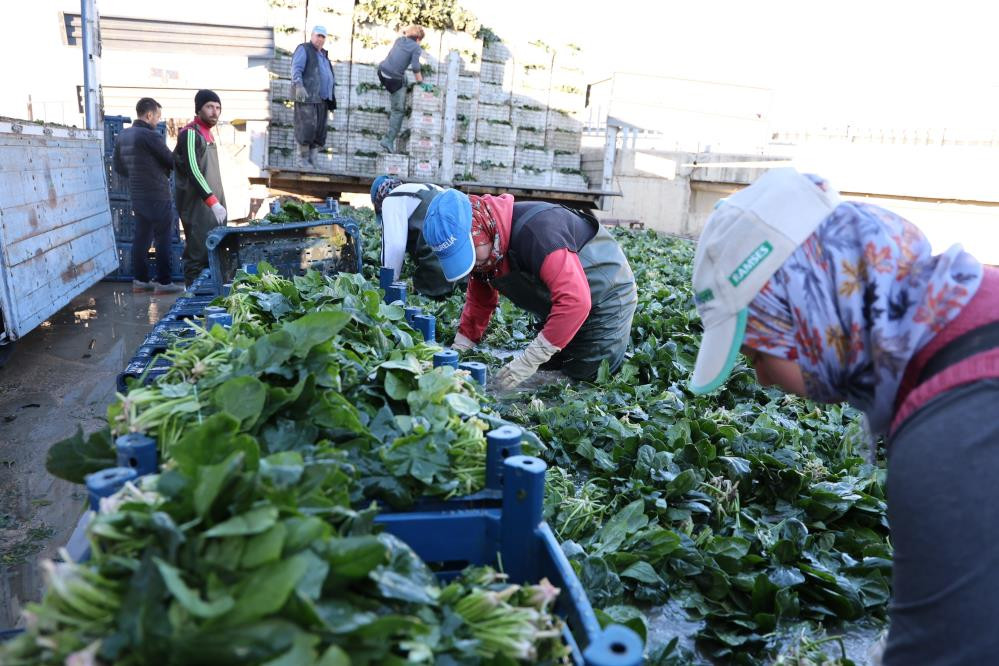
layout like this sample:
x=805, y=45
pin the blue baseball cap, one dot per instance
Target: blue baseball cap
x=320, y=30
x=447, y=228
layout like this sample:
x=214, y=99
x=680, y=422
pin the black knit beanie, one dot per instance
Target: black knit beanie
x=203, y=97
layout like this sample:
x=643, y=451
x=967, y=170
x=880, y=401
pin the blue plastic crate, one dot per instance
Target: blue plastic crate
x=165, y=333
x=123, y=221
x=117, y=183
x=144, y=368
x=514, y=536
x=113, y=125
x=329, y=245
x=124, y=272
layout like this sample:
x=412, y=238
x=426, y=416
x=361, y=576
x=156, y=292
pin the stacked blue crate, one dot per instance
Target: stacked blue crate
x=122, y=216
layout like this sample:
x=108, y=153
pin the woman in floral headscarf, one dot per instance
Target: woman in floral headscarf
x=859, y=311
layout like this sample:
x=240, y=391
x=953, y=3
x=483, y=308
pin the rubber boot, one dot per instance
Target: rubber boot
x=301, y=155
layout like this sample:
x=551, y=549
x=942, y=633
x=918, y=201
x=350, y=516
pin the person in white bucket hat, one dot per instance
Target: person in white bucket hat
x=844, y=302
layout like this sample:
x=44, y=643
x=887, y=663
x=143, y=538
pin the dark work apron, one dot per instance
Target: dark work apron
x=607, y=330
x=428, y=276
x=196, y=217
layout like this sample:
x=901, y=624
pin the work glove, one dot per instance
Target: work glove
x=219, y=211
x=461, y=343
x=519, y=369
x=427, y=87
x=298, y=92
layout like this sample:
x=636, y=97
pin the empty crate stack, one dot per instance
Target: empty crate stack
x=123, y=217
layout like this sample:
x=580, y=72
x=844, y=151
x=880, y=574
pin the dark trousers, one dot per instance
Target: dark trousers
x=310, y=124
x=154, y=223
x=943, y=511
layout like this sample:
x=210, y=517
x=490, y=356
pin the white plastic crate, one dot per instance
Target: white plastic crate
x=280, y=90
x=362, y=165
x=424, y=170
x=426, y=122
x=531, y=178
x=280, y=66
x=393, y=165
x=467, y=108
x=363, y=95
x=530, y=118
x=499, y=155
x=280, y=137
x=496, y=51
x=341, y=72
x=280, y=158
x=363, y=143
x=331, y=162
x=539, y=159
x=530, y=136
x=563, y=121
x=363, y=73
x=565, y=160
x=492, y=174
x=562, y=140
x=463, y=152
x=463, y=172
x=427, y=102
x=494, y=112
x=494, y=133
x=468, y=86
x=423, y=142
x=465, y=130
x=282, y=114
x=496, y=73
x=336, y=141
x=359, y=119
x=490, y=93
x=568, y=181
x=338, y=120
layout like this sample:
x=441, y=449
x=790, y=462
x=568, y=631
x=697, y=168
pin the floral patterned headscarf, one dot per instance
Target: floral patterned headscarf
x=858, y=299
x=485, y=232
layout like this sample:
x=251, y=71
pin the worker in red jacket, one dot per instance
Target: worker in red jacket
x=559, y=264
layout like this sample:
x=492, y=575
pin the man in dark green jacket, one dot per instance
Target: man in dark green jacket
x=200, y=198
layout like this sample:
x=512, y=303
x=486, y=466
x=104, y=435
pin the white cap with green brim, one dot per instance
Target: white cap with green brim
x=743, y=244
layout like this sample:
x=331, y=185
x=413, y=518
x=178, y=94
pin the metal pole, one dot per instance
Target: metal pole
x=88, y=14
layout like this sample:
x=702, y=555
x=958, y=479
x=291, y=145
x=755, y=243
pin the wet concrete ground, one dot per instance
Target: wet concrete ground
x=60, y=377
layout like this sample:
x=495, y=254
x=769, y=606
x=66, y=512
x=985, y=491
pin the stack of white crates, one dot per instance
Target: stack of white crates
x=367, y=120
x=424, y=138
x=518, y=106
x=492, y=158
x=564, y=130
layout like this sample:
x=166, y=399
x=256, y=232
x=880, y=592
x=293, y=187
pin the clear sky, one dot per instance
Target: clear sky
x=866, y=62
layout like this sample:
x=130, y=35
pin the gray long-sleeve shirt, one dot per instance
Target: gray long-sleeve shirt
x=405, y=52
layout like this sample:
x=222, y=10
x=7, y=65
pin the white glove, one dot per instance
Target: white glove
x=461, y=343
x=519, y=369
x=219, y=211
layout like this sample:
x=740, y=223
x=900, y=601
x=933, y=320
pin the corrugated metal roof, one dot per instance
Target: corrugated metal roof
x=135, y=34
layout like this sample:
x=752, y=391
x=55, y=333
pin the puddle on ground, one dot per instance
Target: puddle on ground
x=60, y=377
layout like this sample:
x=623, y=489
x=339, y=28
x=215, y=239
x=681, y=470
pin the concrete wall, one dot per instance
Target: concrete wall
x=673, y=192
x=676, y=192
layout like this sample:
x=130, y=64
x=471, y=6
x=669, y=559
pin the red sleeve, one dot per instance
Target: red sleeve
x=566, y=280
x=480, y=301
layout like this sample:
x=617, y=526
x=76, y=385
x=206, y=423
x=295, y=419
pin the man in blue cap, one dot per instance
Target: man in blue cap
x=557, y=263
x=401, y=208
x=313, y=89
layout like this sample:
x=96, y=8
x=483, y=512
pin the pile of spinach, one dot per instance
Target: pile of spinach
x=292, y=210
x=312, y=364
x=233, y=555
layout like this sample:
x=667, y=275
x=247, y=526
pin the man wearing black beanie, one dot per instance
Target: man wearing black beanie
x=200, y=199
